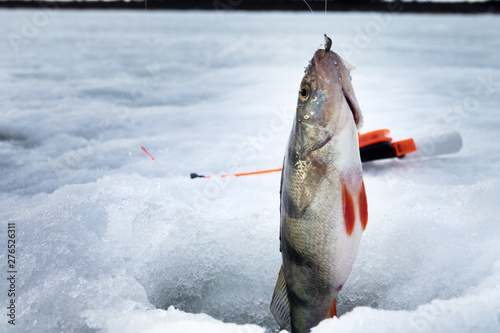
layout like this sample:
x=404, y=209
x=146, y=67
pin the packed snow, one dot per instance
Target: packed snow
x=108, y=239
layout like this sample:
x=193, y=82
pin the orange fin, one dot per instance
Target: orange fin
x=333, y=309
x=348, y=210
x=363, y=207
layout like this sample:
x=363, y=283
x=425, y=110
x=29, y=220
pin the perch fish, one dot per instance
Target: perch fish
x=323, y=202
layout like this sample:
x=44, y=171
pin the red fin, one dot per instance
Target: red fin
x=348, y=209
x=333, y=309
x=363, y=207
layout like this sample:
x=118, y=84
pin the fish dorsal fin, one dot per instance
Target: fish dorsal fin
x=280, y=306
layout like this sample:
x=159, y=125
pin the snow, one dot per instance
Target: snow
x=110, y=240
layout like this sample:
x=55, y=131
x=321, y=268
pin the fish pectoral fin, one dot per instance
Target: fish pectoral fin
x=280, y=306
x=333, y=309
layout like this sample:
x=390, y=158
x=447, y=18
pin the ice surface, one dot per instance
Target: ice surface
x=110, y=240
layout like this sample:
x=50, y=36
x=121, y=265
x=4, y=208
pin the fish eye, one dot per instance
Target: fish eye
x=304, y=92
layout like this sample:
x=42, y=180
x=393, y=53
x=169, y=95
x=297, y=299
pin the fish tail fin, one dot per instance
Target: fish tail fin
x=280, y=306
x=333, y=309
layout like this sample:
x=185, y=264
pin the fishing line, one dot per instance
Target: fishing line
x=326, y=7
x=309, y=6
x=325, y=20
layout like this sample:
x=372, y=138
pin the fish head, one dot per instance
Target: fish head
x=326, y=101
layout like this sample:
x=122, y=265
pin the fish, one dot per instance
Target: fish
x=323, y=204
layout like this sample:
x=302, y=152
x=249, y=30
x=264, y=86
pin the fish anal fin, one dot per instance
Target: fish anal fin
x=333, y=309
x=280, y=306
